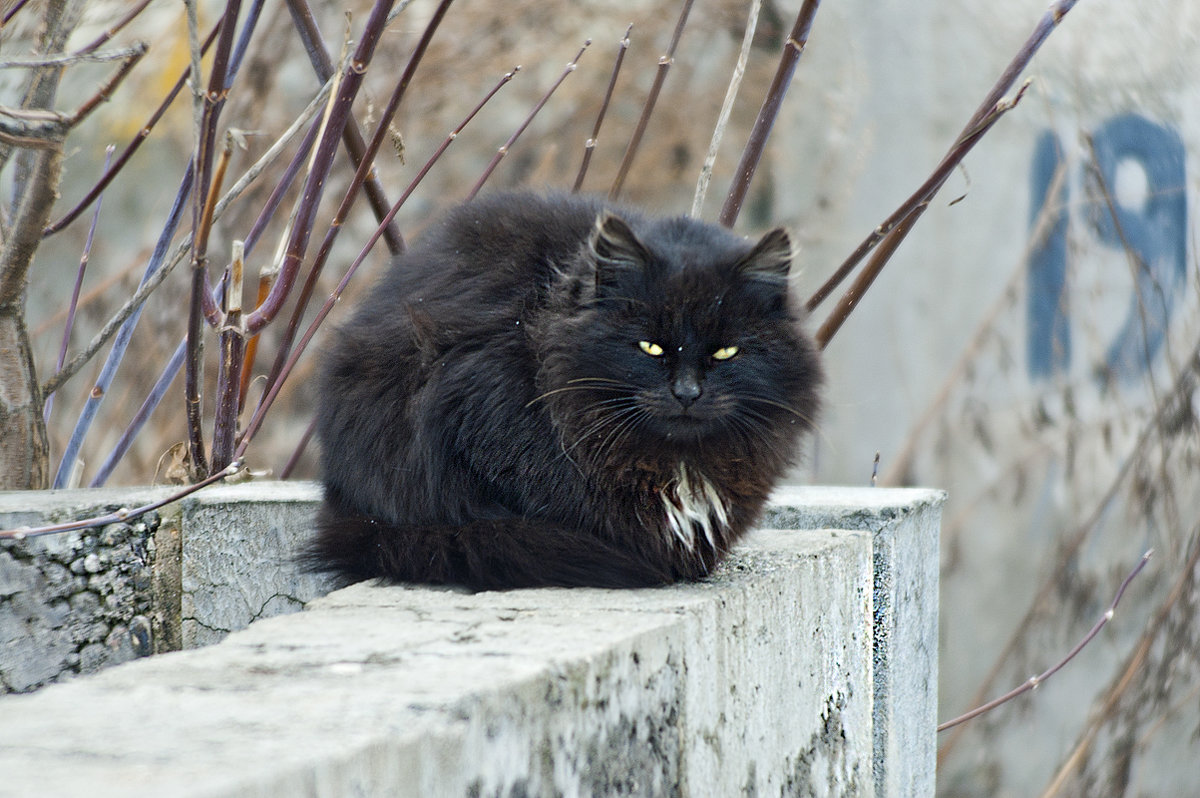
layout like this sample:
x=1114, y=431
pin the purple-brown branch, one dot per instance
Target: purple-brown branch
x=1035, y=681
x=107, y=35
x=314, y=185
x=274, y=386
x=12, y=12
x=365, y=166
x=590, y=145
x=660, y=77
x=503, y=150
x=310, y=37
x=899, y=226
x=73, y=304
x=993, y=106
x=131, y=148
x=793, y=48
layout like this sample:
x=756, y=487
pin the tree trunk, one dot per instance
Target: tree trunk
x=24, y=452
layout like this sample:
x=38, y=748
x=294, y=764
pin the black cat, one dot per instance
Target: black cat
x=553, y=391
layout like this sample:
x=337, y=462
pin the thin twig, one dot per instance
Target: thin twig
x=793, y=48
x=106, y=90
x=73, y=304
x=735, y=83
x=589, y=146
x=975, y=126
x=898, y=230
x=40, y=128
x=298, y=452
x=12, y=12
x=503, y=150
x=271, y=392
x=68, y=59
x=1035, y=681
x=660, y=77
x=122, y=515
x=107, y=35
x=130, y=148
x=1133, y=665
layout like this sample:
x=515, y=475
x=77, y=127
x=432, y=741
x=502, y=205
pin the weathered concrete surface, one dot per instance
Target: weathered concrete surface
x=806, y=666
x=182, y=577
x=79, y=601
x=905, y=526
x=757, y=682
x=238, y=558
x=76, y=602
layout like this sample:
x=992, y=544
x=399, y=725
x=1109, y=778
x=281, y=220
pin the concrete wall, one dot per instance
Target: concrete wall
x=780, y=675
x=182, y=577
x=1027, y=353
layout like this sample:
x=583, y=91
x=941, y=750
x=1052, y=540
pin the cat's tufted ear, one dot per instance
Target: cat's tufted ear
x=615, y=248
x=770, y=260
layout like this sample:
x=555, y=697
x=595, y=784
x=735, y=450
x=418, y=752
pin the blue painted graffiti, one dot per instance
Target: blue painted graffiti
x=1153, y=232
x=1049, y=334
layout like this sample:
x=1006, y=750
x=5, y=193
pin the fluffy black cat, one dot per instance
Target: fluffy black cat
x=555, y=391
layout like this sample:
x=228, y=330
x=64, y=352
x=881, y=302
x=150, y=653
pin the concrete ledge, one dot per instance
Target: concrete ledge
x=762, y=680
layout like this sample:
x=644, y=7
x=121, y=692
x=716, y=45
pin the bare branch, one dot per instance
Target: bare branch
x=1035, y=681
x=75, y=58
x=122, y=515
x=989, y=110
x=1123, y=680
x=73, y=304
x=897, y=227
x=664, y=66
x=104, y=37
x=500, y=153
x=589, y=146
x=793, y=48
x=109, y=86
x=735, y=83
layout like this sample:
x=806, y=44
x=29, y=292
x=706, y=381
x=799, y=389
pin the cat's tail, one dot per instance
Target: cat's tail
x=481, y=555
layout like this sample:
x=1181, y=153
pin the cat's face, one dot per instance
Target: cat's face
x=685, y=339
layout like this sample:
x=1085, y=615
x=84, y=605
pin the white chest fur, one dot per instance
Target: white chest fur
x=692, y=503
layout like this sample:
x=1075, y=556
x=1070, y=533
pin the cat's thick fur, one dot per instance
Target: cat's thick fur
x=549, y=391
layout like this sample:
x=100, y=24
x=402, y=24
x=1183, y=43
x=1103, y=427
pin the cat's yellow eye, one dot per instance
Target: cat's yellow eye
x=725, y=352
x=653, y=350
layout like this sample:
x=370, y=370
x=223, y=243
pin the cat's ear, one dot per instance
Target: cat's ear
x=615, y=248
x=770, y=260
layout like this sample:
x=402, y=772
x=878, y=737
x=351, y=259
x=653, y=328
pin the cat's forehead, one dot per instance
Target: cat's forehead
x=687, y=245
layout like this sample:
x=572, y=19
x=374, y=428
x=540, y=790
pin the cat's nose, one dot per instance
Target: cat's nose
x=686, y=389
